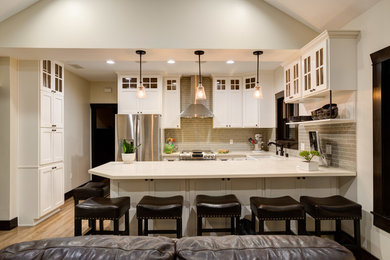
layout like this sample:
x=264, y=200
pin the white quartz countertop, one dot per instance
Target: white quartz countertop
x=264, y=167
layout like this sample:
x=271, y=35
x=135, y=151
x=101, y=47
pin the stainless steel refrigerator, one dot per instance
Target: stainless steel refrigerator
x=139, y=129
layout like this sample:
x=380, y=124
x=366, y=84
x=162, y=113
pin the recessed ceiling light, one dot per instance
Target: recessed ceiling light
x=110, y=61
x=230, y=61
x=171, y=61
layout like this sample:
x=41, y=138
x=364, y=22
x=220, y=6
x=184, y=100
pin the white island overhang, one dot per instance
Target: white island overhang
x=263, y=168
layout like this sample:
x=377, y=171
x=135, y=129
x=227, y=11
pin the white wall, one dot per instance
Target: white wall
x=8, y=137
x=77, y=131
x=375, y=35
x=228, y=24
x=97, y=94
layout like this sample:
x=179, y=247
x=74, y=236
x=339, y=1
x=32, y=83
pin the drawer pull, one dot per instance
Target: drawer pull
x=55, y=167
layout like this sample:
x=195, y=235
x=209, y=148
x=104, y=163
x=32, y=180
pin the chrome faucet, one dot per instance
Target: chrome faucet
x=278, y=145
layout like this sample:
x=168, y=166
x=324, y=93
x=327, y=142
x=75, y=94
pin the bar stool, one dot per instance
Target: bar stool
x=334, y=208
x=281, y=208
x=89, y=190
x=226, y=206
x=101, y=209
x=160, y=208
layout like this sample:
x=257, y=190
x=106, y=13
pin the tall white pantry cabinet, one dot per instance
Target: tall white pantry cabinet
x=40, y=178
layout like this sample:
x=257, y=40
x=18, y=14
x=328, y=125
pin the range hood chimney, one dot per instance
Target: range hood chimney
x=196, y=109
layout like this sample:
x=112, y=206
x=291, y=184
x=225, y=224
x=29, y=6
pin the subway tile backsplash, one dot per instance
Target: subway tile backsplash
x=198, y=133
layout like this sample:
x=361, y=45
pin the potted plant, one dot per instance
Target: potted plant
x=308, y=164
x=128, y=154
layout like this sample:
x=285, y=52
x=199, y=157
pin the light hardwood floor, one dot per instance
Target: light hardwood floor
x=58, y=225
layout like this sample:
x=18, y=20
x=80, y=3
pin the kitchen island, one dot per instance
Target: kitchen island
x=265, y=175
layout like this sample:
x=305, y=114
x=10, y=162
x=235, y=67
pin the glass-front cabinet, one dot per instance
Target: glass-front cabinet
x=128, y=103
x=292, y=81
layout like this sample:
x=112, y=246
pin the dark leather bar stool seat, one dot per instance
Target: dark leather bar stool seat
x=227, y=206
x=334, y=208
x=91, y=189
x=159, y=208
x=281, y=208
x=101, y=209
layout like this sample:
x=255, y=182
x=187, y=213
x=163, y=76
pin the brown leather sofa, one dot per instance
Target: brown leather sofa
x=193, y=248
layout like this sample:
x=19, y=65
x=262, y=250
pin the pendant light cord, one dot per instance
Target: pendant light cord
x=200, y=73
x=140, y=69
x=257, y=79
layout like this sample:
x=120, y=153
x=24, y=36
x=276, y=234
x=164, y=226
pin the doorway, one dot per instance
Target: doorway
x=102, y=134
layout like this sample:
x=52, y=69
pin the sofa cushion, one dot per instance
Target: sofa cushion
x=93, y=247
x=260, y=247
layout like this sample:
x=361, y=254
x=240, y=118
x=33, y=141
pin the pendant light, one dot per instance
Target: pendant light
x=140, y=89
x=200, y=93
x=258, y=93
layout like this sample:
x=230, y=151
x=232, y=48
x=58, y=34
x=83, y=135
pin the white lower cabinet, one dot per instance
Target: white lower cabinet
x=51, y=145
x=51, y=188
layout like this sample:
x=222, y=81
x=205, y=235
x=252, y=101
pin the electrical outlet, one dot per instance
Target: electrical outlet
x=231, y=141
x=302, y=146
x=328, y=149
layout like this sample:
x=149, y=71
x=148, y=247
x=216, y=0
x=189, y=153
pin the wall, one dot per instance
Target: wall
x=97, y=94
x=375, y=35
x=8, y=137
x=169, y=24
x=77, y=131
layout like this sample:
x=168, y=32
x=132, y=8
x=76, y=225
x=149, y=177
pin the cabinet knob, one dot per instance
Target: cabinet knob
x=53, y=167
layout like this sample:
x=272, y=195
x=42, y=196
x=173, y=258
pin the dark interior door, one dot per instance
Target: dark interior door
x=103, y=134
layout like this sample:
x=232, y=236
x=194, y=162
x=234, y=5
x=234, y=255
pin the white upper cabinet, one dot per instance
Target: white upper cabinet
x=227, y=102
x=52, y=94
x=171, y=107
x=292, y=80
x=128, y=103
x=251, y=107
x=327, y=63
x=52, y=76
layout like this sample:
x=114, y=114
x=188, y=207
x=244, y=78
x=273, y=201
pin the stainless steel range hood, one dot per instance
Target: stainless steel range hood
x=196, y=109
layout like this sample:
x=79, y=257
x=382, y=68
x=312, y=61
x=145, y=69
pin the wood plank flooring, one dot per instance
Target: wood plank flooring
x=58, y=225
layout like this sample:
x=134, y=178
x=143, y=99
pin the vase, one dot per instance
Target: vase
x=128, y=157
x=308, y=166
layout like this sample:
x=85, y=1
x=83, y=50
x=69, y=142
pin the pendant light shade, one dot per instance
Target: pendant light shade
x=258, y=93
x=140, y=89
x=200, y=92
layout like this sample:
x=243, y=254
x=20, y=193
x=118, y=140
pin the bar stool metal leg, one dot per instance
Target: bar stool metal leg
x=338, y=230
x=77, y=227
x=302, y=226
x=178, y=228
x=356, y=227
x=140, y=232
x=261, y=226
x=116, y=226
x=288, y=227
x=253, y=221
x=318, y=227
x=127, y=225
x=199, y=232
x=146, y=228
x=237, y=225
x=232, y=229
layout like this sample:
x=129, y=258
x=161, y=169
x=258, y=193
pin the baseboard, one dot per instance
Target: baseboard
x=8, y=224
x=364, y=254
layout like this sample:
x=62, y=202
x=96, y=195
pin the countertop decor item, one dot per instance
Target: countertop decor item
x=128, y=154
x=169, y=147
x=308, y=164
x=257, y=142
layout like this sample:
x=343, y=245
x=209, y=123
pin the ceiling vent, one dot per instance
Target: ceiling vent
x=76, y=66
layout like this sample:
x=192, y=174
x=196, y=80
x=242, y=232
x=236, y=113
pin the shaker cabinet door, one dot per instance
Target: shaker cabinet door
x=58, y=185
x=45, y=190
x=46, y=109
x=46, y=146
x=58, y=145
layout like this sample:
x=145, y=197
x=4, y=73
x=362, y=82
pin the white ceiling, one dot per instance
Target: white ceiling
x=95, y=68
x=323, y=15
x=11, y=7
